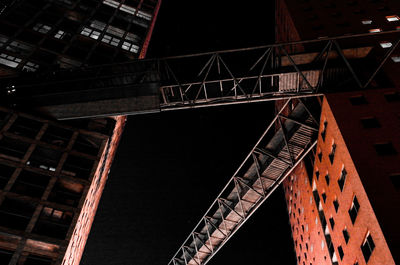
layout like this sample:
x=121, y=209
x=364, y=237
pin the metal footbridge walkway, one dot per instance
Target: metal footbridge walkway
x=272, y=72
x=247, y=75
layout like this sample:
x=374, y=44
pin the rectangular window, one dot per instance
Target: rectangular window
x=320, y=156
x=341, y=253
x=376, y=30
x=323, y=133
x=342, y=179
x=336, y=204
x=358, y=100
x=386, y=44
x=317, y=174
x=367, y=247
x=332, y=222
x=395, y=178
x=396, y=59
x=39, y=27
x=366, y=21
x=392, y=18
x=346, y=235
x=59, y=35
x=332, y=153
x=370, y=122
x=384, y=149
x=393, y=96
x=9, y=60
x=355, y=207
x=323, y=196
x=327, y=178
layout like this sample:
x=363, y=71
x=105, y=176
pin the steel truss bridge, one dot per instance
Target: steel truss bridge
x=266, y=73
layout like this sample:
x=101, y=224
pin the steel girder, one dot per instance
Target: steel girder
x=282, y=146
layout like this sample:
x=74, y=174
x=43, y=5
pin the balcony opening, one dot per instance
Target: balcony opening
x=30, y=184
x=5, y=175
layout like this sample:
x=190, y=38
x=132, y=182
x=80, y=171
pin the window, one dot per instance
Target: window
x=386, y=44
x=332, y=222
x=366, y=21
x=370, y=122
x=327, y=178
x=355, y=207
x=59, y=35
x=130, y=47
x=320, y=156
x=110, y=40
x=375, y=30
x=332, y=154
x=341, y=253
x=392, y=18
x=346, y=235
x=384, y=149
x=9, y=60
x=323, y=196
x=358, y=100
x=393, y=96
x=317, y=174
x=396, y=59
x=367, y=247
x=39, y=27
x=336, y=204
x=395, y=178
x=323, y=132
x=30, y=67
x=342, y=179
x=90, y=33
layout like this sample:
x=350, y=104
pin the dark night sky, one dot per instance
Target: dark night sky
x=171, y=166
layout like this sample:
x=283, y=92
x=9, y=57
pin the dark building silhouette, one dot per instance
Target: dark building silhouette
x=52, y=173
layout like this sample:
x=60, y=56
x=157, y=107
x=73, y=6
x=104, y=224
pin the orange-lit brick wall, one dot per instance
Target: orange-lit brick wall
x=92, y=195
x=336, y=181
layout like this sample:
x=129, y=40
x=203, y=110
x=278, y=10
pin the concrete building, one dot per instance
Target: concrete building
x=343, y=200
x=52, y=173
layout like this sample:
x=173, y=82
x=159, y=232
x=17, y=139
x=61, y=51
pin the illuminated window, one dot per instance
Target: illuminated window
x=9, y=60
x=366, y=21
x=375, y=30
x=110, y=40
x=367, y=247
x=385, y=44
x=90, y=33
x=392, y=18
x=30, y=67
x=396, y=59
x=42, y=28
x=130, y=47
x=59, y=35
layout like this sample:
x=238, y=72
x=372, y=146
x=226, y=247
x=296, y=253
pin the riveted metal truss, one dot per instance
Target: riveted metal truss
x=237, y=76
x=282, y=146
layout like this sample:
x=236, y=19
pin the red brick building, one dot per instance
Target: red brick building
x=343, y=206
